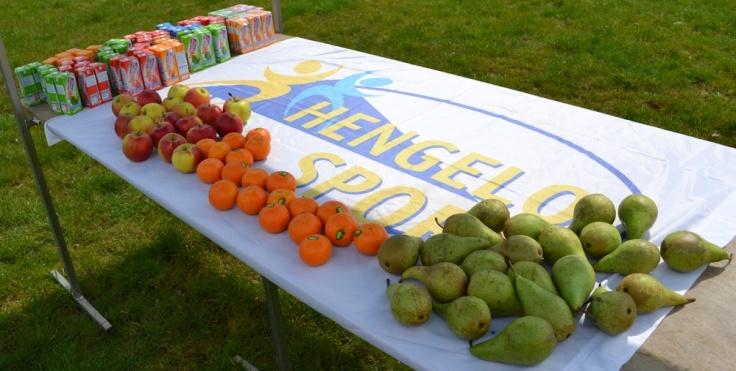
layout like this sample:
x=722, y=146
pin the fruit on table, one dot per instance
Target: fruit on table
x=184, y=109
x=340, y=228
x=302, y=226
x=235, y=140
x=234, y=171
x=468, y=317
x=153, y=110
x=493, y=213
x=197, y=96
x=599, y=239
x=171, y=118
x=539, y=302
x=410, y=304
x=219, y=150
x=444, y=281
x=169, y=103
x=184, y=123
x=199, y=132
x=281, y=179
x=137, y=146
x=210, y=170
x=398, y=252
x=148, y=96
x=330, y=208
x=222, y=194
x=497, y=290
x=168, y=143
x=574, y=278
x=527, y=224
x=209, y=113
x=558, y=242
x=186, y=157
x=204, y=145
x=649, y=294
x=482, y=260
x=525, y=341
x=238, y=106
x=633, y=256
x=239, y=155
x=140, y=123
x=464, y=224
x=445, y=247
x=274, y=218
x=594, y=207
x=120, y=101
x=259, y=146
x=612, y=311
x=367, y=238
x=520, y=248
x=227, y=123
x=160, y=128
x=637, y=213
x=534, y=272
x=251, y=199
x=121, y=125
x=298, y=206
x=685, y=251
x=255, y=176
x=280, y=196
x=178, y=91
x=130, y=108
x=258, y=132
x=315, y=250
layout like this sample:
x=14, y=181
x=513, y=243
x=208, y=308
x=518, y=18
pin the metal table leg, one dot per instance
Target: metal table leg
x=274, y=317
x=277, y=20
x=72, y=285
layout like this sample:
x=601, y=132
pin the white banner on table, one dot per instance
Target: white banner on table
x=403, y=144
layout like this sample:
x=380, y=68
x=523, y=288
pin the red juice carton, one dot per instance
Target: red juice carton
x=130, y=75
x=103, y=84
x=149, y=70
x=115, y=73
x=87, y=83
x=167, y=66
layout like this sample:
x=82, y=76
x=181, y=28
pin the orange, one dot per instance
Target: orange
x=235, y=140
x=281, y=196
x=274, y=218
x=255, y=176
x=303, y=205
x=223, y=194
x=234, y=170
x=219, y=151
x=251, y=200
x=331, y=208
x=280, y=179
x=205, y=144
x=258, y=131
x=340, y=229
x=369, y=237
x=315, y=250
x=209, y=170
x=239, y=154
x=258, y=146
x=304, y=225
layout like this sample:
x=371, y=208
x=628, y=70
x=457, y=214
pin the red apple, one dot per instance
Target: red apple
x=119, y=101
x=148, y=96
x=238, y=106
x=186, y=157
x=121, y=125
x=137, y=146
x=199, y=132
x=185, y=123
x=227, y=123
x=140, y=123
x=209, y=113
x=197, y=96
x=171, y=117
x=130, y=108
x=178, y=91
x=184, y=109
x=160, y=128
x=169, y=103
x=168, y=143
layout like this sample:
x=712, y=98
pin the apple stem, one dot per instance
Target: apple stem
x=230, y=94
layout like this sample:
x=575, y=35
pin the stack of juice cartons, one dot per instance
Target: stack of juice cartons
x=248, y=27
x=203, y=45
x=215, y=26
x=29, y=84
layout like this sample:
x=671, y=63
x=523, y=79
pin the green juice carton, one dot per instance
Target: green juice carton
x=219, y=39
x=192, y=50
x=29, y=90
x=49, y=86
x=66, y=89
x=207, y=46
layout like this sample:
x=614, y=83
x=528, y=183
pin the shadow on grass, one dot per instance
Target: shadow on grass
x=169, y=310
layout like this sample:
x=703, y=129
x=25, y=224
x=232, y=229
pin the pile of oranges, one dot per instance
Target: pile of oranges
x=272, y=197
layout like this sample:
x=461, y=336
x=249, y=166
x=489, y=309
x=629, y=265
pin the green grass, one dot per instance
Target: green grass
x=179, y=302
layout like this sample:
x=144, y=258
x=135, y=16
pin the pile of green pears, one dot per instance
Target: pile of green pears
x=487, y=264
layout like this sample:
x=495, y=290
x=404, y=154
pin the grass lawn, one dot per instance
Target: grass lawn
x=178, y=301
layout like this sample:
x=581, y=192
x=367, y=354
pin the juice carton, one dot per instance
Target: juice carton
x=50, y=89
x=219, y=37
x=50, y=60
x=37, y=68
x=66, y=89
x=28, y=89
x=182, y=65
x=130, y=75
x=207, y=47
x=117, y=81
x=239, y=34
x=267, y=21
x=166, y=60
x=192, y=50
x=256, y=29
x=103, y=83
x=149, y=69
x=87, y=83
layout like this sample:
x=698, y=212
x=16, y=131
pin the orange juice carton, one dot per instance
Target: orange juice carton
x=130, y=75
x=256, y=29
x=166, y=60
x=239, y=34
x=266, y=23
x=103, y=83
x=87, y=83
x=181, y=59
x=149, y=69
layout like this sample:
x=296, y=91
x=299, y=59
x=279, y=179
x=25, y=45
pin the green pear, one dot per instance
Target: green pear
x=483, y=260
x=685, y=251
x=497, y=290
x=594, y=207
x=542, y=303
x=399, y=252
x=574, y=278
x=520, y=248
x=599, y=239
x=464, y=224
x=558, y=242
x=527, y=224
x=535, y=273
x=612, y=311
x=467, y=317
x=493, y=213
x=444, y=281
x=410, y=304
x=637, y=213
x=445, y=247
x=649, y=294
x=526, y=341
x=633, y=256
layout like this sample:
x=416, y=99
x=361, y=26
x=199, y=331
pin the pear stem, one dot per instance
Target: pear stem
x=438, y=223
x=689, y=300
